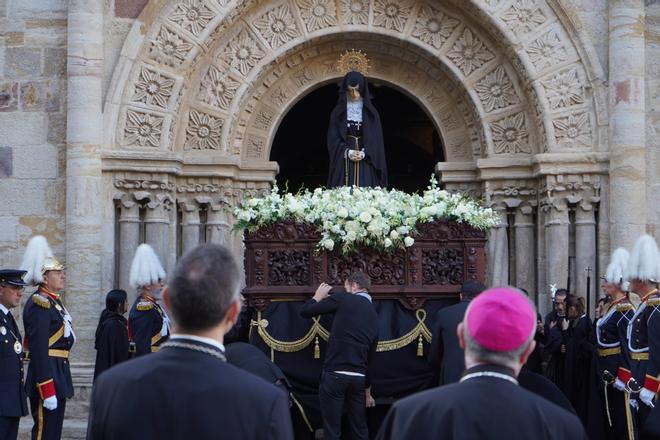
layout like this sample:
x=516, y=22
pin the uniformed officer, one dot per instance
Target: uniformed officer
x=643, y=272
x=148, y=323
x=13, y=401
x=49, y=337
x=613, y=353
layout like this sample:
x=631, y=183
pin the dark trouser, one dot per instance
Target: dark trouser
x=617, y=411
x=9, y=428
x=47, y=423
x=339, y=391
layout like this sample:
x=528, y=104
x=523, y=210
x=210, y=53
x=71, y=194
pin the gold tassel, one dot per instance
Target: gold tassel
x=317, y=349
x=420, y=346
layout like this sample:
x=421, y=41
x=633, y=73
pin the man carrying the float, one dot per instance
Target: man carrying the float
x=613, y=353
x=49, y=337
x=643, y=273
x=148, y=323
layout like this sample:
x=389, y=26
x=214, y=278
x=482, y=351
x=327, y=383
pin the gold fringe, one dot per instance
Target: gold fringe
x=420, y=333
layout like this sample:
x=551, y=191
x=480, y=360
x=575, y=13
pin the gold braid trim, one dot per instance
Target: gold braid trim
x=289, y=346
x=420, y=331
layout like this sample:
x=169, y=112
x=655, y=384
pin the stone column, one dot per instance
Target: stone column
x=190, y=226
x=585, y=251
x=498, y=253
x=218, y=225
x=83, y=171
x=129, y=239
x=627, y=121
x=556, y=243
x=524, y=243
x=157, y=228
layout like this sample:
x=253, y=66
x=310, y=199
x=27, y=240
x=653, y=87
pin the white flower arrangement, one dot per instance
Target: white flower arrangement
x=350, y=217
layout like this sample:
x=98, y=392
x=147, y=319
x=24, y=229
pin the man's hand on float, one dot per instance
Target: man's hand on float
x=322, y=292
x=370, y=401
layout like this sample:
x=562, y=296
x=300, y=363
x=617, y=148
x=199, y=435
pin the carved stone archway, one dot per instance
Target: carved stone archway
x=510, y=84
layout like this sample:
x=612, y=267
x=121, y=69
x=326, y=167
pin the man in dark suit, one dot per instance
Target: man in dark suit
x=497, y=334
x=13, y=400
x=187, y=390
x=445, y=355
x=345, y=381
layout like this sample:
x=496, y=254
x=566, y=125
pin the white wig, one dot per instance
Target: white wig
x=38, y=256
x=146, y=268
x=617, y=268
x=644, y=263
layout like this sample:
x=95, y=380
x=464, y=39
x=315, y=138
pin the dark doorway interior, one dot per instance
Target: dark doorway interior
x=412, y=144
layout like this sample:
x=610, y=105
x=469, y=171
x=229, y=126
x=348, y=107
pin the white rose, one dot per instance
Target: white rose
x=388, y=242
x=408, y=241
x=252, y=202
x=351, y=236
x=245, y=216
x=328, y=244
x=394, y=235
x=352, y=226
x=365, y=217
x=342, y=212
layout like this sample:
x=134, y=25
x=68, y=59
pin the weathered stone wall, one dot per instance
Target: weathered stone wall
x=653, y=115
x=33, y=37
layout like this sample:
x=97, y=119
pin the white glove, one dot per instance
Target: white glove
x=50, y=403
x=634, y=404
x=647, y=396
x=619, y=385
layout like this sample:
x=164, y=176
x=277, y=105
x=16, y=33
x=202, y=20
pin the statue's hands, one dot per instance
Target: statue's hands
x=354, y=155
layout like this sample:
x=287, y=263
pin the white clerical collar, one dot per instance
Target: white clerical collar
x=364, y=294
x=209, y=341
x=4, y=309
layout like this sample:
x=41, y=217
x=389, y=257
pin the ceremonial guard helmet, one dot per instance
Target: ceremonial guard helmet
x=616, y=270
x=146, y=268
x=38, y=260
x=644, y=263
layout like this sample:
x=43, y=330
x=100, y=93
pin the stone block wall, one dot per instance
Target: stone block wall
x=33, y=37
x=653, y=115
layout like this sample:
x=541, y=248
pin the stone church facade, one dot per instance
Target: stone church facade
x=124, y=121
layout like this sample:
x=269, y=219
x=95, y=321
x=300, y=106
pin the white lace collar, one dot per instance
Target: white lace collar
x=354, y=110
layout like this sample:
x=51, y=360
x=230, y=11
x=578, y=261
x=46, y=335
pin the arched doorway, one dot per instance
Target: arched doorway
x=412, y=143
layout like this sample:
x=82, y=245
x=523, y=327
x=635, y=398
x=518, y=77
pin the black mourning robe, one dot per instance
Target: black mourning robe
x=479, y=408
x=581, y=382
x=111, y=341
x=373, y=168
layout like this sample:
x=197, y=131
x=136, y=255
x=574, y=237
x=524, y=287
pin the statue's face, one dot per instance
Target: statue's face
x=353, y=93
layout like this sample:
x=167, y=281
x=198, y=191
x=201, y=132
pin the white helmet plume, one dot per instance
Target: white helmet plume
x=644, y=261
x=146, y=268
x=38, y=259
x=617, y=268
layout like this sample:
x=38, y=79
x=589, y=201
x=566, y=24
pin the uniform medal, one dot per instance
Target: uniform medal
x=18, y=348
x=3, y=330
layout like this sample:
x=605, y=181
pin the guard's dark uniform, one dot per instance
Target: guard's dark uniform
x=145, y=325
x=13, y=401
x=48, y=371
x=614, y=361
x=644, y=345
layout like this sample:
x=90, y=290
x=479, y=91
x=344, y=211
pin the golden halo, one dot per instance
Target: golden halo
x=353, y=60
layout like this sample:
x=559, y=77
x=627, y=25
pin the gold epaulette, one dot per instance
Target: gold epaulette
x=41, y=300
x=144, y=306
x=624, y=307
x=653, y=302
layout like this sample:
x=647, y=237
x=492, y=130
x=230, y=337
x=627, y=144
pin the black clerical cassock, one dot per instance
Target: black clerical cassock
x=111, y=341
x=356, y=130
